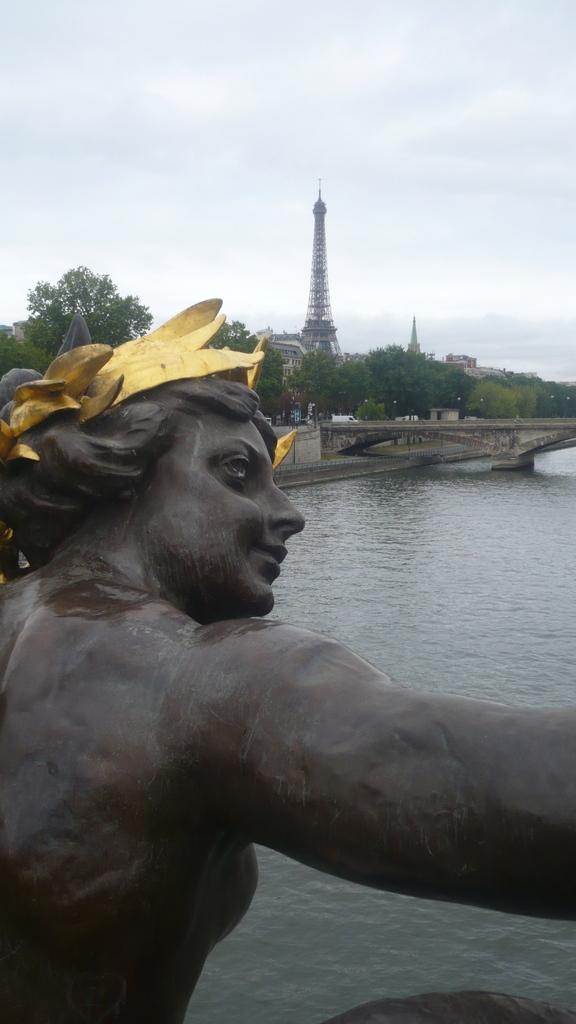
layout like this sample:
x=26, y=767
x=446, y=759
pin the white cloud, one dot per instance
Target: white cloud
x=177, y=146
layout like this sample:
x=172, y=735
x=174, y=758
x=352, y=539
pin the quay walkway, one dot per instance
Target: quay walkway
x=299, y=473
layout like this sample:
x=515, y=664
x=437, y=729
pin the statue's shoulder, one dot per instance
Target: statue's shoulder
x=272, y=635
x=266, y=648
x=69, y=598
x=265, y=656
x=97, y=624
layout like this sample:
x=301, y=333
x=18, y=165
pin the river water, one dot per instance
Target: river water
x=451, y=578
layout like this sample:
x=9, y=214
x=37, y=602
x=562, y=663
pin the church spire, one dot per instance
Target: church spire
x=414, y=346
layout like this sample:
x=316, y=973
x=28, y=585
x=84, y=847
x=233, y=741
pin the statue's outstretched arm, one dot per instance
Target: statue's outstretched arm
x=326, y=759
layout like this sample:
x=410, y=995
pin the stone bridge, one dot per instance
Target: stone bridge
x=512, y=444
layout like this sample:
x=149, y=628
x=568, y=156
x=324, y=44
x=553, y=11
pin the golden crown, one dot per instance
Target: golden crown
x=90, y=379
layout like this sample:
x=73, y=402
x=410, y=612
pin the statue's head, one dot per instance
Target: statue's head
x=165, y=434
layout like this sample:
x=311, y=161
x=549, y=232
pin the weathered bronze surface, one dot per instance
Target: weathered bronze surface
x=153, y=726
x=456, y=1008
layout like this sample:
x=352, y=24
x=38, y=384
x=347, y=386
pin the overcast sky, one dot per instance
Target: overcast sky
x=177, y=146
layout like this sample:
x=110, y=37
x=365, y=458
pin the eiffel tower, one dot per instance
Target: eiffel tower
x=319, y=331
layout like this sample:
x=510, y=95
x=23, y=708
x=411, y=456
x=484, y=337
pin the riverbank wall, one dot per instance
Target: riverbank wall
x=298, y=474
x=307, y=447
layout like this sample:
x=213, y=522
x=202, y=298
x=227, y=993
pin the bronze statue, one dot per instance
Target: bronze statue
x=154, y=725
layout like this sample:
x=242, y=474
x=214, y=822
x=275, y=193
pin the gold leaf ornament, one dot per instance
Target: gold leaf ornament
x=6, y=535
x=35, y=401
x=88, y=380
x=23, y=451
x=65, y=380
x=9, y=568
x=254, y=375
x=189, y=320
x=92, y=407
x=78, y=367
x=160, y=358
x=6, y=440
x=283, y=446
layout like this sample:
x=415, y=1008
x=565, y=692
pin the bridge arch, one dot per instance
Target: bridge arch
x=511, y=444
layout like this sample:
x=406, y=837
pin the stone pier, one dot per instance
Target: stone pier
x=514, y=462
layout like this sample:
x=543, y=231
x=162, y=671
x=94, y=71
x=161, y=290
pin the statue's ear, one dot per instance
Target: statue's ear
x=78, y=335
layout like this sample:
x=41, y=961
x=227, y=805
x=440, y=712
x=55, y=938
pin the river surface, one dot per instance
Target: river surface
x=450, y=578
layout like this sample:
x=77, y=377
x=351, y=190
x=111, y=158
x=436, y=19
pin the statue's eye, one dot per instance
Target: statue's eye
x=236, y=470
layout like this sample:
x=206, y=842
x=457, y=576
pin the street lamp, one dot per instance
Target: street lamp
x=311, y=388
x=458, y=406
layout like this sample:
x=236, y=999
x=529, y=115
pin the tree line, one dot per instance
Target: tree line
x=390, y=382
x=394, y=382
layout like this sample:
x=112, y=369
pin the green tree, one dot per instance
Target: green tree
x=371, y=410
x=349, y=386
x=554, y=399
x=314, y=379
x=111, y=318
x=526, y=398
x=450, y=386
x=527, y=390
x=21, y=354
x=401, y=380
x=271, y=382
x=409, y=383
x=236, y=335
x=494, y=400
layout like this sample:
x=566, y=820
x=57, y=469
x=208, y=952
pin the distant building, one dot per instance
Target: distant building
x=444, y=414
x=413, y=345
x=290, y=348
x=462, y=362
x=470, y=366
x=485, y=371
x=16, y=330
x=354, y=357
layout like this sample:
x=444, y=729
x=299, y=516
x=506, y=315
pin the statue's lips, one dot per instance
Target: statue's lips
x=271, y=555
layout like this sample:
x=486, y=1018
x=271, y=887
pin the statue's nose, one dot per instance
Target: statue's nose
x=285, y=519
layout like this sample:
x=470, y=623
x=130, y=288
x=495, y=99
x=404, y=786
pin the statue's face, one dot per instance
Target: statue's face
x=216, y=522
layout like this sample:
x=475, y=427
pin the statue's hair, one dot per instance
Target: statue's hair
x=105, y=459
